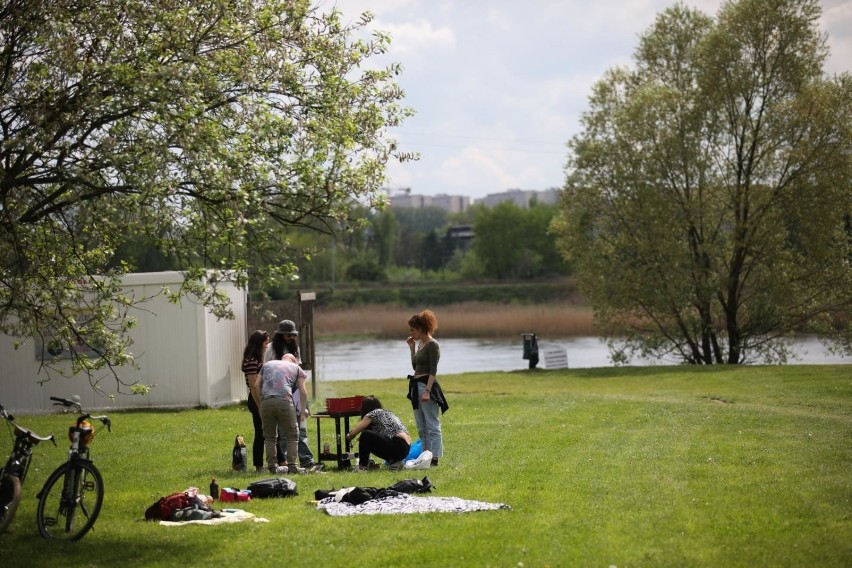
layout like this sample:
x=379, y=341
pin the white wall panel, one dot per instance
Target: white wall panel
x=193, y=358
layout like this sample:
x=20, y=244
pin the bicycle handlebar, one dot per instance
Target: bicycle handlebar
x=32, y=435
x=104, y=420
x=67, y=403
x=76, y=404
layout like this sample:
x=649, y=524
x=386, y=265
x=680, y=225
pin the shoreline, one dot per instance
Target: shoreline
x=457, y=321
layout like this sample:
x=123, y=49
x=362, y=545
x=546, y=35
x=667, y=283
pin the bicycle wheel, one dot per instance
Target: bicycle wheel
x=10, y=496
x=70, y=501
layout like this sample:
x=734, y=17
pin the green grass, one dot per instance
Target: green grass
x=672, y=466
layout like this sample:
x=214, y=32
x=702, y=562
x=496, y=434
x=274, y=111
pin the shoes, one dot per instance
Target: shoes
x=423, y=461
x=316, y=468
x=360, y=468
x=260, y=469
x=278, y=469
x=296, y=469
x=434, y=462
x=396, y=466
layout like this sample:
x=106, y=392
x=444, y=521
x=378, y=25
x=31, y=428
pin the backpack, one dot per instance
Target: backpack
x=239, y=457
x=273, y=487
x=163, y=508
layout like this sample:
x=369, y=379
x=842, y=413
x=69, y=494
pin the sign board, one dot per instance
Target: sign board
x=555, y=358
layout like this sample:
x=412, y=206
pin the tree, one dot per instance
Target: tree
x=210, y=127
x=413, y=226
x=708, y=195
x=512, y=242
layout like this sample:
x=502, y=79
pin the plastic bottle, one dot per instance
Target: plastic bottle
x=214, y=489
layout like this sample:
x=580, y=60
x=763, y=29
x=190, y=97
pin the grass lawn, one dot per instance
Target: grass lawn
x=657, y=466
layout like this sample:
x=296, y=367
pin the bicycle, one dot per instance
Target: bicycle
x=14, y=473
x=71, y=499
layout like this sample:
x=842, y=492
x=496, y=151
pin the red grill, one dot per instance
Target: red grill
x=345, y=404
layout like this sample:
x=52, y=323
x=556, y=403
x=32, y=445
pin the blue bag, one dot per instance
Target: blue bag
x=415, y=451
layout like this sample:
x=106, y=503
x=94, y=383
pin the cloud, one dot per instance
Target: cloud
x=417, y=37
x=500, y=86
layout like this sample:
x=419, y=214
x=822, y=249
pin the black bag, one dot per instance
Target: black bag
x=273, y=487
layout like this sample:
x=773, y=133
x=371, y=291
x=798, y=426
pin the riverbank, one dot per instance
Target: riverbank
x=458, y=321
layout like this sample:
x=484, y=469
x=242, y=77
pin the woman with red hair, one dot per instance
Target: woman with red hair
x=424, y=391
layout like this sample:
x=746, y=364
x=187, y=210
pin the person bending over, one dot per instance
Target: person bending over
x=382, y=434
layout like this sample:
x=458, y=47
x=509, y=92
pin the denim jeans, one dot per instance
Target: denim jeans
x=427, y=417
x=279, y=415
x=306, y=456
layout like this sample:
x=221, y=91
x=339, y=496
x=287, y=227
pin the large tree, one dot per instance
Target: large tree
x=207, y=126
x=708, y=199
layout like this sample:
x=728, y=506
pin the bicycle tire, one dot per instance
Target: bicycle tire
x=10, y=496
x=70, y=501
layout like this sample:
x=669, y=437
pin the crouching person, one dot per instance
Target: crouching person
x=382, y=434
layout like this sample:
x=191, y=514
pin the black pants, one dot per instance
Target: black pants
x=390, y=449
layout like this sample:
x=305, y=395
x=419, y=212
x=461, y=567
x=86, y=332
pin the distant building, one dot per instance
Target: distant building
x=521, y=197
x=451, y=203
x=463, y=234
x=461, y=203
x=410, y=201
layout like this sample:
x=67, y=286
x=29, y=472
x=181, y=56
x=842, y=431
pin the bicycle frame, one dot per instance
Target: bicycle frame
x=14, y=472
x=18, y=463
x=64, y=512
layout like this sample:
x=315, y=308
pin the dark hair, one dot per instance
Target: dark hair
x=369, y=404
x=424, y=321
x=280, y=346
x=254, y=349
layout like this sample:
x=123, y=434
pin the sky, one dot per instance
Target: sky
x=499, y=86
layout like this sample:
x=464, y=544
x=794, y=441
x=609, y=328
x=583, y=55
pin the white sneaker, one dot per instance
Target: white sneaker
x=423, y=461
x=278, y=469
x=397, y=465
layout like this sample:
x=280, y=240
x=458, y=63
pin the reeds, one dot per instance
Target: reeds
x=471, y=319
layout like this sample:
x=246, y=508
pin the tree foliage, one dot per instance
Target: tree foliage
x=208, y=126
x=512, y=242
x=708, y=198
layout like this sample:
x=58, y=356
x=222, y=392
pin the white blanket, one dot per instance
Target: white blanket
x=406, y=504
x=228, y=516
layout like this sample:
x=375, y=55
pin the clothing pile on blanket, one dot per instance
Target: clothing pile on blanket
x=395, y=500
x=224, y=516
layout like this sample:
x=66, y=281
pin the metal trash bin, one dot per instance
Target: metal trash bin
x=530, y=349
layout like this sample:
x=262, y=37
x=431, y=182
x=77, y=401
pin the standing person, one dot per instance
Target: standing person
x=424, y=391
x=286, y=340
x=382, y=434
x=252, y=362
x=279, y=379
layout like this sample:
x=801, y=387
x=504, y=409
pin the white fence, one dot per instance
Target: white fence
x=193, y=358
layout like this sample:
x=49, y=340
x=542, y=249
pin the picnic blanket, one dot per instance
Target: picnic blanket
x=404, y=504
x=227, y=516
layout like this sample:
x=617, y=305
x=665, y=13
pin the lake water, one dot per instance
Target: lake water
x=384, y=359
